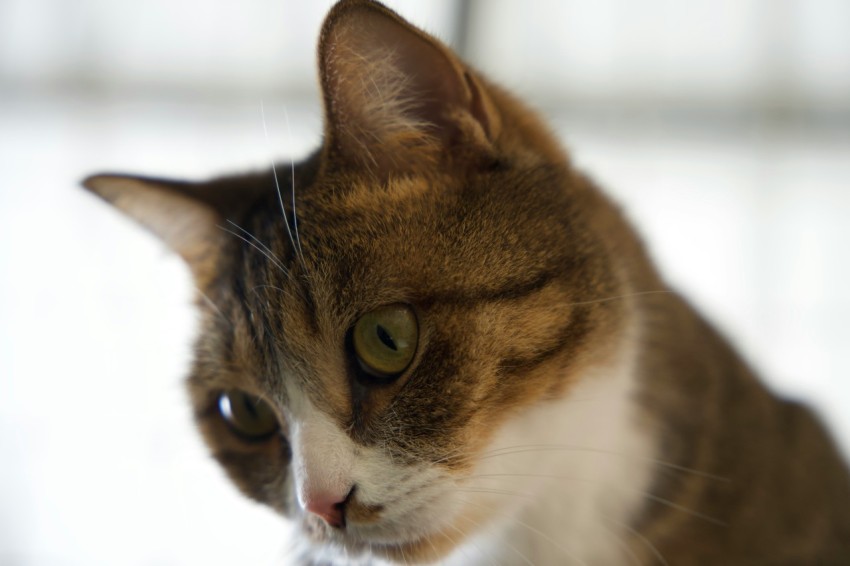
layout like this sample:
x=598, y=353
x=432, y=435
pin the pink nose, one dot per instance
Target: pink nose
x=329, y=507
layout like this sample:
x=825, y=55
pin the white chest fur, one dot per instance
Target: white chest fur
x=565, y=478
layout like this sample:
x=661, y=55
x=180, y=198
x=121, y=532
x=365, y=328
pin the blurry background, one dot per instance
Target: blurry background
x=722, y=126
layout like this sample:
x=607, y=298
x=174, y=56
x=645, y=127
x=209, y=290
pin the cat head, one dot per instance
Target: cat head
x=371, y=325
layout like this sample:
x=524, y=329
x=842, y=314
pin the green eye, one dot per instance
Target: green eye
x=247, y=415
x=385, y=340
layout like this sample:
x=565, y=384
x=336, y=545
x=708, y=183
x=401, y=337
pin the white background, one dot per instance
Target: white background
x=723, y=127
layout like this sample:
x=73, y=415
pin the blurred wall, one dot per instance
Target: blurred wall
x=697, y=52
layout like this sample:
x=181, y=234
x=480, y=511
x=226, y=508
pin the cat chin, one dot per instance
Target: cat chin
x=356, y=553
x=353, y=548
x=341, y=548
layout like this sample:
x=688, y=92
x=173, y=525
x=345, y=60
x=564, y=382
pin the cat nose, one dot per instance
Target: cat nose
x=328, y=506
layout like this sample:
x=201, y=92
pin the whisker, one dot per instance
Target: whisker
x=255, y=239
x=403, y=557
x=646, y=494
x=465, y=537
x=684, y=509
x=506, y=543
x=436, y=553
x=626, y=296
x=213, y=306
x=446, y=456
x=624, y=544
x=292, y=171
x=645, y=540
x=279, y=194
x=496, y=491
x=456, y=543
x=256, y=247
x=282, y=291
x=533, y=530
x=509, y=450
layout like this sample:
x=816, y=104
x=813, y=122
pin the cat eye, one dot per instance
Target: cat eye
x=385, y=340
x=247, y=415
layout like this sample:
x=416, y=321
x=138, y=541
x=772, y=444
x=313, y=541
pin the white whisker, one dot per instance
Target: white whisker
x=255, y=239
x=509, y=450
x=465, y=537
x=626, y=296
x=645, y=540
x=256, y=247
x=292, y=171
x=279, y=194
x=212, y=305
x=646, y=494
x=436, y=553
x=496, y=491
x=515, y=550
x=533, y=530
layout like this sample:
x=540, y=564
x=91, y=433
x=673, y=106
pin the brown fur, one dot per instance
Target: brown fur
x=465, y=207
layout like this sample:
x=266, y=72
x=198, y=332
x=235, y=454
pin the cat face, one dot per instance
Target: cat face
x=370, y=329
x=495, y=331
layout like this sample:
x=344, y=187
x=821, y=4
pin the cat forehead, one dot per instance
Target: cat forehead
x=397, y=191
x=342, y=203
x=498, y=199
x=437, y=235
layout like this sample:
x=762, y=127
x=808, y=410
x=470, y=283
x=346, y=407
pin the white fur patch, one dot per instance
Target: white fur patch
x=567, y=478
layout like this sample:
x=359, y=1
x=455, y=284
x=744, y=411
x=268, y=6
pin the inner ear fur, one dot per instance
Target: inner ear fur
x=397, y=98
x=186, y=216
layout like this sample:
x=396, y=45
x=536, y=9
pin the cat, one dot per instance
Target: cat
x=437, y=341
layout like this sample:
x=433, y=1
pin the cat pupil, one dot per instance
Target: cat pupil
x=249, y=406
x=386, y=338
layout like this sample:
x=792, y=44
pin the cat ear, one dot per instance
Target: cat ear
x=395, y=97
x=179, y=213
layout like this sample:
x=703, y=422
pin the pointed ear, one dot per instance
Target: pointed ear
x=179, y=213
x=397, y=99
